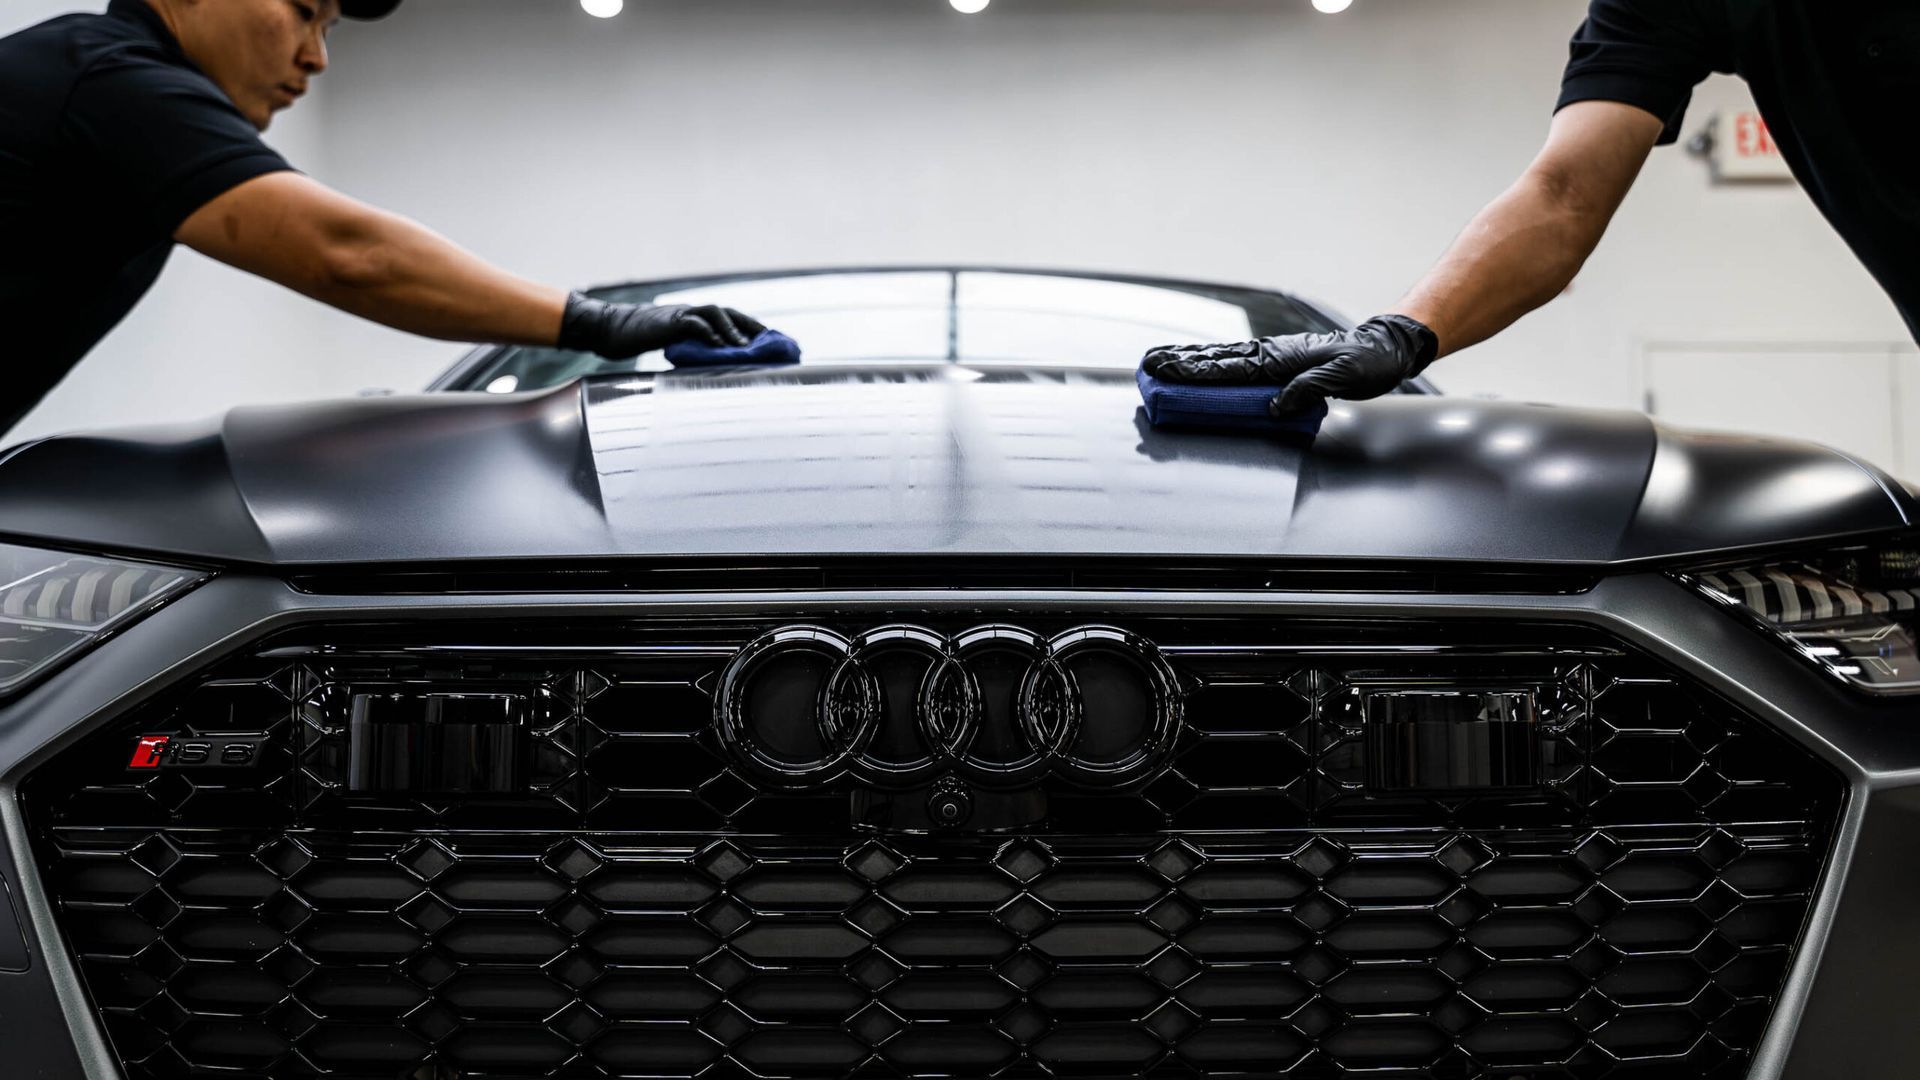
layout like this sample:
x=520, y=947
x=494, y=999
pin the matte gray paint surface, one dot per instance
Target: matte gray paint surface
x=917, y=460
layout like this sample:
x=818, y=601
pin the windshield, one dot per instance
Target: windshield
x=934, y=317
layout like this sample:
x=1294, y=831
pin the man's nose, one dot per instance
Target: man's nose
x=313, y=55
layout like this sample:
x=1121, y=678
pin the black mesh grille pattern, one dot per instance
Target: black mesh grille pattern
x=648, y=911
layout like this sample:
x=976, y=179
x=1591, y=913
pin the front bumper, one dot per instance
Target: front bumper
x=1842, y=1006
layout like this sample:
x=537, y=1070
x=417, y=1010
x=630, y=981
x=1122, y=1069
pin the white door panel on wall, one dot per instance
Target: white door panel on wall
x=1906, y=408
x=1855, y=397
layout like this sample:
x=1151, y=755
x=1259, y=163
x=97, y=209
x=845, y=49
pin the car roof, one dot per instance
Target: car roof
x=1313, y=313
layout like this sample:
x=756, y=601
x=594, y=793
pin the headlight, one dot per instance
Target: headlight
x=53, y=604
x=1854, y=613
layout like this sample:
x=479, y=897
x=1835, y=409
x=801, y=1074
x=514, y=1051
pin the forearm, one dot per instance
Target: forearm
x=290, y=229
x=403, y=275
x=1515, y=256
x=1525, y=248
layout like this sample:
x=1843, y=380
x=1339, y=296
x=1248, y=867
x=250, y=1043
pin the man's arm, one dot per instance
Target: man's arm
x=381, y=266
x=1519, y=253
x=1527, y=245
x=298, y=232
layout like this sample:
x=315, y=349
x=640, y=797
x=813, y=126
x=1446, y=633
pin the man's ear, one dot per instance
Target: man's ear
x=173, y=12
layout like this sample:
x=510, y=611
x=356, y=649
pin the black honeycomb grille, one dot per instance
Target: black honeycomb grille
x=646, y=911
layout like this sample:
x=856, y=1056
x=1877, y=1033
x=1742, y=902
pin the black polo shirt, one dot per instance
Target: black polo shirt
x=1837, y=81
x=109, y=139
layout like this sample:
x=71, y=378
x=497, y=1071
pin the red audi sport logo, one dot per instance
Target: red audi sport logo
x=148, y=751
x=174, y=751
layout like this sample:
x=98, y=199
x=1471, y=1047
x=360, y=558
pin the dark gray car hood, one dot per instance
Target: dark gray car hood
x=902, y=461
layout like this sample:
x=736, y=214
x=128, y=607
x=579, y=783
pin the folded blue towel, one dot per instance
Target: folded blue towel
x=1237, y=408
x=767, y=347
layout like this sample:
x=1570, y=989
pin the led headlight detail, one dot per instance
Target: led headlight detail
x=1853, y=613
x=53, y=604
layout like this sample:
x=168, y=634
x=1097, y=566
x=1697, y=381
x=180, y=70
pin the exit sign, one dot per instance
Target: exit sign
x=1741, y=149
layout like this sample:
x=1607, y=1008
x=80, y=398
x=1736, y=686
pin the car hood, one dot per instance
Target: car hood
x=900, y=460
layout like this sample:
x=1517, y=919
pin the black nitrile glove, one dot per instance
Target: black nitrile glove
x=624, y=331
x=1369, y=360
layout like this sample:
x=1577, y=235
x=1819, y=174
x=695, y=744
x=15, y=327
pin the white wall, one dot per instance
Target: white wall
x=1242, y=140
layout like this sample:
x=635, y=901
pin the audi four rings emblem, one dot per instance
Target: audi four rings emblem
x=899, y=706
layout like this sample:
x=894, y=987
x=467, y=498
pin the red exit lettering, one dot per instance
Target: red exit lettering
x=1751, y=137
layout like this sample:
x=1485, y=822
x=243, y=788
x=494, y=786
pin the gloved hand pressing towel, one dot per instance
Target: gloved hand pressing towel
x=622, y=331
x=767, y=347
x=1232, y=408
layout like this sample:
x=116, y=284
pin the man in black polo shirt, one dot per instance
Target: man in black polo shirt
x=123, y=133
x=1836, y=80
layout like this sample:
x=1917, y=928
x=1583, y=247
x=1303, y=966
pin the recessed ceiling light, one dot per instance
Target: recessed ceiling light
x=969, y=7
x=1332, y=7
x=602, y=9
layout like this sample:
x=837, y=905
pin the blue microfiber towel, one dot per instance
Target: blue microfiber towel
x=768, y=347
x=1235, y=408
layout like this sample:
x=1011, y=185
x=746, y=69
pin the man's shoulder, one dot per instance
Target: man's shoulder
x=78, y=35
x=63, y=49
x=1665, y=18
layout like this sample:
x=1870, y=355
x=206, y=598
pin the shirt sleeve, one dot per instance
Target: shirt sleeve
x=163, y=135
x=1646, y=53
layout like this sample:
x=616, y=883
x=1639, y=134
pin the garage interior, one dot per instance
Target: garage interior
x=979, y=687
x=1256, y=142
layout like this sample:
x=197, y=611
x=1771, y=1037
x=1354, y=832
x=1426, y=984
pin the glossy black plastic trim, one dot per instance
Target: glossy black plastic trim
x=1845, y=984
x=799, y=574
